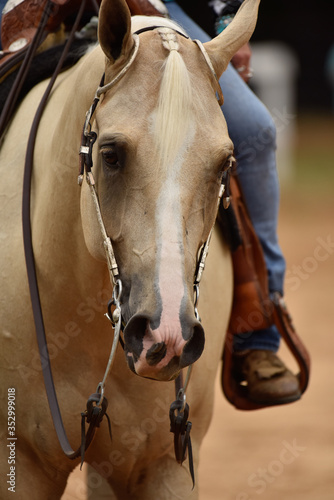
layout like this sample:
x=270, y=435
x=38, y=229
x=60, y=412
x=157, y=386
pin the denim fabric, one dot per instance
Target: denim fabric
x=2, y=4
x=253, y=133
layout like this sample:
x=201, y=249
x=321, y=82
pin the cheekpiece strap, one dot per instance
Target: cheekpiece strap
x=220, y=97
x=102, y=89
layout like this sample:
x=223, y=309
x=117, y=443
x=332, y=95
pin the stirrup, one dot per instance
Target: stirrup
x=236, y=393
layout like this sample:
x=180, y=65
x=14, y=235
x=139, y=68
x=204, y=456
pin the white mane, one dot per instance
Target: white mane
x=174, y=113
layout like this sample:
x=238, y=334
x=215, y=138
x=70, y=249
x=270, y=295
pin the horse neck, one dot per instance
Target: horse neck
x=56, y=207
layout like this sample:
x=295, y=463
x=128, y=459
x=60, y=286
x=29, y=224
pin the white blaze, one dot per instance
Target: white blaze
x=170, y=259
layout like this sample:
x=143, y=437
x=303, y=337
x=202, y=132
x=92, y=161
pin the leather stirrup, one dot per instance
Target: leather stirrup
x=252, y=307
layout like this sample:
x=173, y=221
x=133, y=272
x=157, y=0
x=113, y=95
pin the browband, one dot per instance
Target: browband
x=151, y=28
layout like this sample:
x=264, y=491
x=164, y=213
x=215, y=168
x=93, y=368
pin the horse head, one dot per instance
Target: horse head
x=162, y=147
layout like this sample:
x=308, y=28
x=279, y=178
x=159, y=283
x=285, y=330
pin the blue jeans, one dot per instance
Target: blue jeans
x=2, y=4
x=253, y=133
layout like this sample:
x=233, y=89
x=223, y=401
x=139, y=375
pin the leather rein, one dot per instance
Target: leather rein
x=97, y=403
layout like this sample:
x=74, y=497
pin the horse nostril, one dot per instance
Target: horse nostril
x=156, y=353
x=194, y=347
x=147, y=349
x=134, y=334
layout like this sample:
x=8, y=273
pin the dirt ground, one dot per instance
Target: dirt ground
x=283, y=453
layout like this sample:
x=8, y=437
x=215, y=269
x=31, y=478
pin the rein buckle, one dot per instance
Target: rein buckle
x=181, y=427
x=94, y=416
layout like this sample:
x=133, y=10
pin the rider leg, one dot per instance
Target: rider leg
x=253, y=133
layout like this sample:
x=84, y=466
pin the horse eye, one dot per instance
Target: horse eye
x=225, y=165
x=110, y=157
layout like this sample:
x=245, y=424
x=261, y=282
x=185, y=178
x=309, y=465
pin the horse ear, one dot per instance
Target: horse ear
x=115, y=28
x=222, y=48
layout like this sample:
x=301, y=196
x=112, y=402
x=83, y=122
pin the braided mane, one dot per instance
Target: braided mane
x=174, y=114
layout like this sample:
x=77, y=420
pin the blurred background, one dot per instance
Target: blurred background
x=293, y=62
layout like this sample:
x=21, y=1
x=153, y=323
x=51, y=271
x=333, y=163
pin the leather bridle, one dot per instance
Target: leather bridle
x=97, y=403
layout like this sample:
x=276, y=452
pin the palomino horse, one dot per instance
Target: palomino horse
x=162, y=146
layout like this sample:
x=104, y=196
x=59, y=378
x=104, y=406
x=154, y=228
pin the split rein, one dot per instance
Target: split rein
x=97, y=403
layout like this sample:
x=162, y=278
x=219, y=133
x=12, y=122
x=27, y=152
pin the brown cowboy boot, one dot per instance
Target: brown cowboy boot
x=268, y=380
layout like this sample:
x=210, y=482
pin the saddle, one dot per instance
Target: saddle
x=19, y=25
x=252, y=305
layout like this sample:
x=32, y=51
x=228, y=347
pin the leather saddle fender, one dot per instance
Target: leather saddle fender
x=252, y=306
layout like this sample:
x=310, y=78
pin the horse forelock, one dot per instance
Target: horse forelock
x=173, y=118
